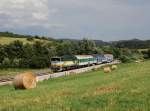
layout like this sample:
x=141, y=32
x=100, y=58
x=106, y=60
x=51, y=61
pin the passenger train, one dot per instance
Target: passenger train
x=68, y=62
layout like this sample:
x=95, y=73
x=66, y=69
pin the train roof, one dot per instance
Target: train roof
x=96, y=55
x=83, y=56
x=75, y=57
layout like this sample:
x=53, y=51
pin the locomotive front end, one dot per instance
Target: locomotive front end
x=56, y=64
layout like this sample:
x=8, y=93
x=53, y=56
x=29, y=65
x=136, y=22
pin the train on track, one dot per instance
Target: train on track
x=68, y=62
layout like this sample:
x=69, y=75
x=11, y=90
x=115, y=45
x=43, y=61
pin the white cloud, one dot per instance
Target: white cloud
x=64, y=18
x=25, y=13
x=39, y=16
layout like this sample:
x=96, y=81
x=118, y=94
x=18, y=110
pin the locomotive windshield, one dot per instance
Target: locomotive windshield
x=55, y=59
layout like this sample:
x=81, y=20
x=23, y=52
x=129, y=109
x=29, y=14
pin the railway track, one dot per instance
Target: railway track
x=42, y=74
x=8, y=80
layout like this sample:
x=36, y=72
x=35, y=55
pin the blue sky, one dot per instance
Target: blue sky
x=95, y=19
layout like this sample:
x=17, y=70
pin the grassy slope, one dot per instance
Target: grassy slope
x=126, y=89
x=7, y=40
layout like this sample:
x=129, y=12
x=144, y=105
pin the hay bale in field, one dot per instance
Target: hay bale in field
x=107, y=69
x=114, y=67
x=25, y=81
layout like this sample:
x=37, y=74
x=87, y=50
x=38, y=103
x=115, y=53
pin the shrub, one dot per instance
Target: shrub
x=24, y=63
x=16, y=63
x=148, y=53
x=30, y=39
x=6, y=62
x=38, y=62
x=125, y=59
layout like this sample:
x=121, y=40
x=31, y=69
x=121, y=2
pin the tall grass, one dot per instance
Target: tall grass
x=125, y=89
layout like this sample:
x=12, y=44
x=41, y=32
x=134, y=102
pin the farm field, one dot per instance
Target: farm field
x=125, y=89
x=7, y=40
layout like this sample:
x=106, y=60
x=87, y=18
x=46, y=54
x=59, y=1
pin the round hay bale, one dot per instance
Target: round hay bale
x=107, y=69
x=114, y=67
x=25, y=81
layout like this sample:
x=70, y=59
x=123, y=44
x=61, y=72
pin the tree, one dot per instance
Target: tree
x=52, y=49
x=148, y=53
x=6, y=63
x=16, y=63
x=87, y=46
x=30, y=39
x=40, y=57
x=65, y=48
x=107, y=49
x=14, y=50
x=37, y=37
x=117, y=52
x=2, y=53
x=125, y=58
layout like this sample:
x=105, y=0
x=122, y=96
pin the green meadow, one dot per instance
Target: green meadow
x=125, y=89
x=7, y=40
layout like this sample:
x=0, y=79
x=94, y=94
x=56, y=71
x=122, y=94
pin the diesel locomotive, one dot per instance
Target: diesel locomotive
x=68, y=62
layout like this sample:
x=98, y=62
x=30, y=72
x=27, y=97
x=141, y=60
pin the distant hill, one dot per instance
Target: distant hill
x=8, y=37
x=97, y=42
x=101, y=43
x=132, y=44
x=7, y=40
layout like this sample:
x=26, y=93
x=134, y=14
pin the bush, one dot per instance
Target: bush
x=6, y=62
x=38, y=62
x=24, y=63
x=44, y=38
x=125, y=59
x=37, y=37
x=148, y=53
x=16, y=63
x=30, y=39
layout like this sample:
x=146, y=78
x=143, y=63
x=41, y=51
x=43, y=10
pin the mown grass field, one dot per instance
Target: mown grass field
x=7, y=40
x=126, y=89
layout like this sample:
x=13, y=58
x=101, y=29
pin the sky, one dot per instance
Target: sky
x=107, y=20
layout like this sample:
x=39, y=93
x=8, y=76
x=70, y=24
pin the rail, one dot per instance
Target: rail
x=46, y=76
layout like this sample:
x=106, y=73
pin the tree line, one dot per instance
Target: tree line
x=29, y=37
x=133, y=44
x=38, y=54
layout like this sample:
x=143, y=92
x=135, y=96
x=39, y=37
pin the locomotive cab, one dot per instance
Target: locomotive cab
x=56, y=64
x=55, y=59
x=62, y=63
